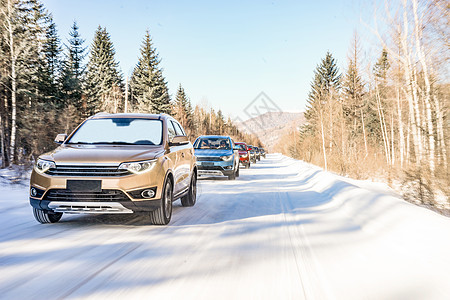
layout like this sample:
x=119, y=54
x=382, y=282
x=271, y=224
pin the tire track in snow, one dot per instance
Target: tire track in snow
x=313, y=284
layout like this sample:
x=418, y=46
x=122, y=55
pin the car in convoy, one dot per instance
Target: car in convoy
x=116, y=163
x=244, y=155
x=257, y=153
x=251, y=151
x=262, y=152
x=216, y=156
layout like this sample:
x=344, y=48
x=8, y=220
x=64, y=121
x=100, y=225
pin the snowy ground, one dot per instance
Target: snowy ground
x=283, y=230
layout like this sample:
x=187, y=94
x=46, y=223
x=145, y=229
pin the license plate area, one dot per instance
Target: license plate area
x=84, y=185
x=208, y=164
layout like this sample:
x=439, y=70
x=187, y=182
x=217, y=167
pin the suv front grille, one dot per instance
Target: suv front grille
x=209, y=158
x=82, y=171
x=218, y=168
x=68, y=195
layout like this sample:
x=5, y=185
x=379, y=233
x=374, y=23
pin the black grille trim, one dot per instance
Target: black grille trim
x=209, y=158
x=68, y=195
x=214, y=168
x=87, y=171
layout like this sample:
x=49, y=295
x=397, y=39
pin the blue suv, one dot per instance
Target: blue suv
x=217, y=155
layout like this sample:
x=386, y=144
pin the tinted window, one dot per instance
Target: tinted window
x=213, y=143
x=241, y=147
x=178, y=129
x=171, y=129
x=119, y=131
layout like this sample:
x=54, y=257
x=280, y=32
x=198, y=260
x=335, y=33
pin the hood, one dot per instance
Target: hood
x=211, y=152
x=112, y=154
x=242, y=152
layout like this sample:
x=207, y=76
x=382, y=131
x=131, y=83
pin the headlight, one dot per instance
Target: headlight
x=227, y=158
x=42, y=166
x=138, y=167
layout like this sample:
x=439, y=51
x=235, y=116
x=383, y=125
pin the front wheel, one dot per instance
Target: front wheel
x=163, y=214
x=191, y=197
x=45, y=217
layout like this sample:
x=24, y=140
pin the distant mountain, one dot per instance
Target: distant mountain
x=271, y=126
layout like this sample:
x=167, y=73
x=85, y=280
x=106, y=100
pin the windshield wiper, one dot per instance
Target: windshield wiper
x=114, y=143
x=79, y=143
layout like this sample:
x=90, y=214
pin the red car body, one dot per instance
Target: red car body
x=244, y=155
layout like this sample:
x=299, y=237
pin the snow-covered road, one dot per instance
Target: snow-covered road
x=283, y=230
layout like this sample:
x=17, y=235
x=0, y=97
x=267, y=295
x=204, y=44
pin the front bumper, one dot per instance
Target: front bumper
x=244, y=159
x=76, y=207
x=121, y=194
x=215, y=168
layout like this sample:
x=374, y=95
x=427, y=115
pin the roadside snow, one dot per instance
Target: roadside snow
x=283, y=230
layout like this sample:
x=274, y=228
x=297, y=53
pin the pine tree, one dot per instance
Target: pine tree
x=103, y=79
x=148, y=86
x=380, y=71
x=381, y=67
x=73, y=70
x=353, y=87
x=327, y=80
x=38, y=124
x=323, y=105
x=50, y=57
x=182, y=110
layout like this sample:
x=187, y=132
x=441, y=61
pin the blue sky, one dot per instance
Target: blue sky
x=224, y=52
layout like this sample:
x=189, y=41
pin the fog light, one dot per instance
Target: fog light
x=33, y=192
x=148, y=194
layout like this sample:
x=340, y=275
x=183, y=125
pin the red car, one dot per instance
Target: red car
x=244, y=155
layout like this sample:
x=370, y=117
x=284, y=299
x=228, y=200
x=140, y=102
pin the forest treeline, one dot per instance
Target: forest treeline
x=48, y=86
x=392, y=120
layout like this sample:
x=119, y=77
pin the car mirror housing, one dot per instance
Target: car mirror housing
x=178, y=140
x=60, y=138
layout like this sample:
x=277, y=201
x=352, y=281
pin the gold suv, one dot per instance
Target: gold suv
x=116, y=163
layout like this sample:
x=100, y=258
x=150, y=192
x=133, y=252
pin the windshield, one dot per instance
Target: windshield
x=241, y=147
x=212, y=143
x=120, y=131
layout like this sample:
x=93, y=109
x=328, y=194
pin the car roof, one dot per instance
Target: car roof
x=240, y=143
x=215, y=136
x=104, y=115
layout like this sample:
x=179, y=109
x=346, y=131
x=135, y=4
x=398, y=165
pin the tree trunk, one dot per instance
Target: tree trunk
x=412, y=90
x=423, y=62
x=323, y=141
x=2, y=143
x=392, y=138
x=126, y=95
x=12, y=144
x=400, y=129
x=382, y=127
x=440, y=131
x=364, y=134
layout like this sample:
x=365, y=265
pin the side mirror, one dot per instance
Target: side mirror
x=60, y=138
x=179, y=140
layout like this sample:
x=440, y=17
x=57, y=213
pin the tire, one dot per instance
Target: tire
x=191, y=197
x=237, y=171
x=44, y=217
x=232, y=176
x=247, y=165
x=163, y=214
